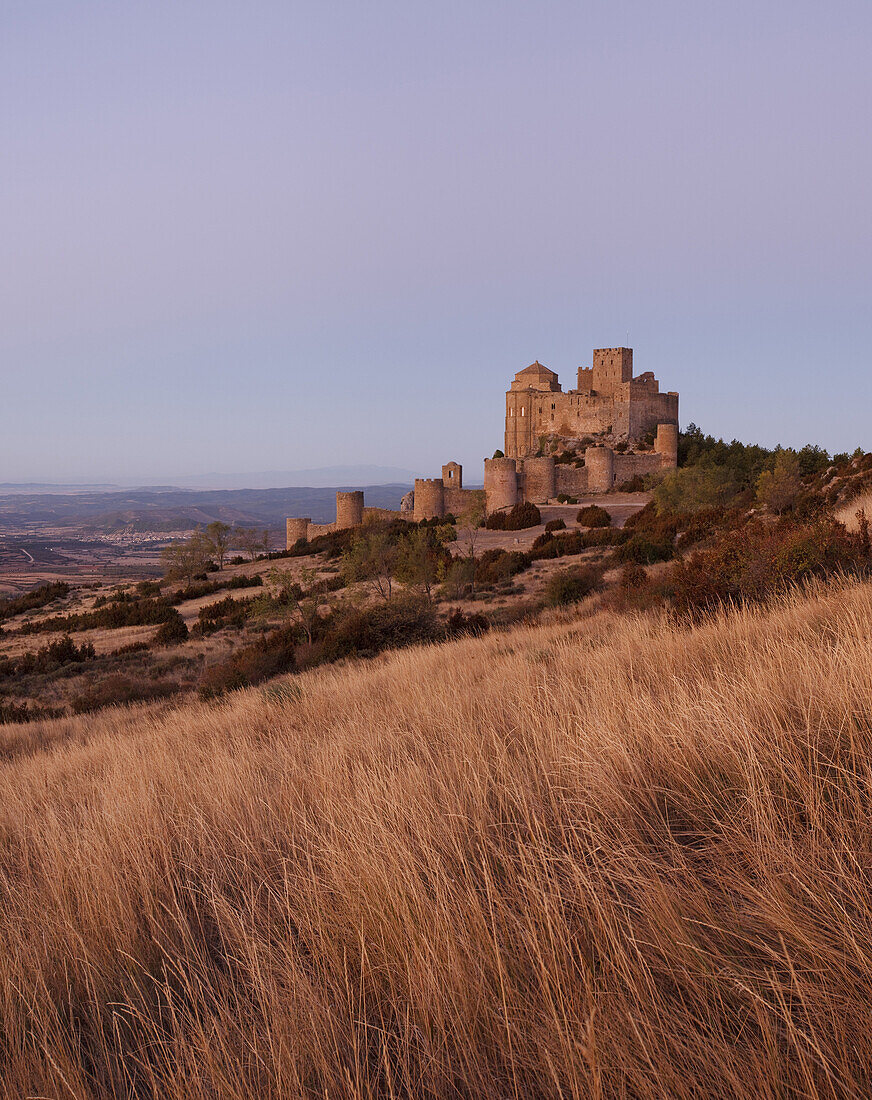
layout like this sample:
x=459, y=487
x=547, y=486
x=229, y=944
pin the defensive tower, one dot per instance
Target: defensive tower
x=500, y=483
x=349, y=509
x=297, y=529
x=429, y=498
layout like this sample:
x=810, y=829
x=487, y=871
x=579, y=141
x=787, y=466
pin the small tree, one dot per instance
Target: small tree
x=218, y=535
x=183, y=560
x=250, y=540
x=307, y=598
x=418, y=559
x=472, y=520
x=372, y=559
x=779, y=487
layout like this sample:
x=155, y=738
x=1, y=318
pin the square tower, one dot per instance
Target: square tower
x=611, y=367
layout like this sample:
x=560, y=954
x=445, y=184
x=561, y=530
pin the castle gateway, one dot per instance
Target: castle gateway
x=609, y=405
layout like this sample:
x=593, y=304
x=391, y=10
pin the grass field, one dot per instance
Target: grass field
x=605, y=856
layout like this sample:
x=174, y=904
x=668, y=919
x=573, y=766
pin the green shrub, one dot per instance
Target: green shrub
x=496, y=566
x=124, y=610
x=268, y=656
x=206, y=588
x=32, y=601
x=594, y=516
x=25, y=712
x=172, y=632
x=519, y=518
x=364, y=632
x=48, y=659
x=555, y=525
x=644, y=550
x=751, y=563
x=459, y=624
x=571, y=585
x=119, y=690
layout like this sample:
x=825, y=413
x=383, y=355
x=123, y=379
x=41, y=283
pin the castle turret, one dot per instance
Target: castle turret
x=429, y=498
x=297, y=529
x=349, y=509
x=500, y=483
x=666, y=445
x=600, y=464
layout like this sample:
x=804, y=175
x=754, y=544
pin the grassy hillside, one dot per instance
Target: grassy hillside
x=605, y=856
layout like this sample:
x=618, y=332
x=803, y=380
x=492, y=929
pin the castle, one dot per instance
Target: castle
x=610, y=429
x=609, y=403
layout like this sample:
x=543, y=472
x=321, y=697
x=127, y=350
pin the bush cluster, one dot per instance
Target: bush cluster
x=48, y=659
x=519, y=518
x=759, y=559
x=593, y=516
x=568, y=586
x=548, y=546
x=124, y=610
x=32, y=601
x=172, y=632
x=206, y=588
x=119, y=690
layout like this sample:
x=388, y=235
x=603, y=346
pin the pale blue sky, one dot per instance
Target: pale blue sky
x=275, y=235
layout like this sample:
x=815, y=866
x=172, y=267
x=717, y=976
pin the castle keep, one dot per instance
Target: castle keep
x=592, y=439
x=609, y=402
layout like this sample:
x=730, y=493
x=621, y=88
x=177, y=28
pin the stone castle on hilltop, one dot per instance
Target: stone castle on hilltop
x=609, y=403
x=593, y=439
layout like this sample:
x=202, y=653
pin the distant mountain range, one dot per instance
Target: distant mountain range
x=321, y=477
x=174, y=509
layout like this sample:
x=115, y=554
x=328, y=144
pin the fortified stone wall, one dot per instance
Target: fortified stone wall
x=627, y=466
x=571, y=480
x=539, y=480
x=458, y=500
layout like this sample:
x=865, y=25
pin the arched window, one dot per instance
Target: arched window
x=522, y=410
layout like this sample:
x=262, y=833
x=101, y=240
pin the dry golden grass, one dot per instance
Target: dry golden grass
x=598, y=858
x=847, y=514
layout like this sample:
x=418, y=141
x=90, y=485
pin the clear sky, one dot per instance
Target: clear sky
x=271, y=235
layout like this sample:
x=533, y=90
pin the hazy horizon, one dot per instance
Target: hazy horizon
x=312, y=235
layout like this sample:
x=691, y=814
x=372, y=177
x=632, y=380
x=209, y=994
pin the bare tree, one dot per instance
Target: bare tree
x=218, y=535
x=187, y=558
x=250, y=540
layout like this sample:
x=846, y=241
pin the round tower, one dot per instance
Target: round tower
x=297, y=529
x=349, y=509
x=540, y=480
x=429, y=498
x=666, y=445
x=500, y=483
x=600, y=464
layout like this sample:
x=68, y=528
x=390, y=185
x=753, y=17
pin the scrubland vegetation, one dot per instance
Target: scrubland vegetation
x=590, y=818
x=734, y=523
x=609, y=855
